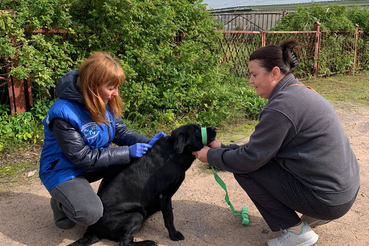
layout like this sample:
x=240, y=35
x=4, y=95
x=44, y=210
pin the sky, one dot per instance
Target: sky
x=220, y=4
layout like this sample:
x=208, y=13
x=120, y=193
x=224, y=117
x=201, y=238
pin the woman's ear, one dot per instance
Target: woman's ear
x=276, y=71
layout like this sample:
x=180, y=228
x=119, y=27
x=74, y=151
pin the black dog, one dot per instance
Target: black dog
x=145, y=187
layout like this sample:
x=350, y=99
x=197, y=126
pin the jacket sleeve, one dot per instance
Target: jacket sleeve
x=79, y=153
x=123, y=136
x=265, y=142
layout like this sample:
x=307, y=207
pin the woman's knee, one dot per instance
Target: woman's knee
x=87, y=215
x=243, y=179
x=79, y=201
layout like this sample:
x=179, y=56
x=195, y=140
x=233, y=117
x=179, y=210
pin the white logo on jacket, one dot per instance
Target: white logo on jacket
x=89, y=130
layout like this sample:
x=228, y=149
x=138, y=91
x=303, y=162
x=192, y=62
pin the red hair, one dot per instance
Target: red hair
x=101, y=68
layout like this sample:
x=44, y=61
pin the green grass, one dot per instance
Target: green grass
x=18, y=165
x=343, y=88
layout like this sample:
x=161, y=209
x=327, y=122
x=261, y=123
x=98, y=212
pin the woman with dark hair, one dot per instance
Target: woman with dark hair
x=298, y=159
x=79, y=128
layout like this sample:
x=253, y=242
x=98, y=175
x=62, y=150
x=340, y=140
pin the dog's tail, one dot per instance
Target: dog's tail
x=87, y=239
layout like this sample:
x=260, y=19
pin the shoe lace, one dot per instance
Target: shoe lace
x=284, y=237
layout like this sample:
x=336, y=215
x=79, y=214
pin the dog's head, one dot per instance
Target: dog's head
x=188, y=138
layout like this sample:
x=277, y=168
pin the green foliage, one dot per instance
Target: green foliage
x=333, y=18
x=360, y=16
x=336, y=52
x=18, y=128
x=25, y=127
x=42, y=58
x=168, y=50
x=161, y=75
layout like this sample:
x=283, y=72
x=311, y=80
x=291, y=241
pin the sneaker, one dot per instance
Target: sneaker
x=312, y=222
x=60, y=219
x=306, y=238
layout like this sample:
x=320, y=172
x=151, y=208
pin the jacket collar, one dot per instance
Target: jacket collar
x=68, y=89
x=288, y=80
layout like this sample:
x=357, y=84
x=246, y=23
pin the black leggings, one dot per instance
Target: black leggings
x=277, y=194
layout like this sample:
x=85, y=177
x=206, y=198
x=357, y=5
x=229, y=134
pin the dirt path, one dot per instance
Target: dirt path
x=201, y=213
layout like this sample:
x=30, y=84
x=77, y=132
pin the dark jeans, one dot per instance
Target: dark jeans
x=79, y=201
x=277, y=194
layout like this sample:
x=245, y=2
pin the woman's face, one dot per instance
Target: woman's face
x=262, y=80
x=107, y=92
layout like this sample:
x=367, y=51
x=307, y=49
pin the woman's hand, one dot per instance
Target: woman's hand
x=216, y=144
x=138, y=150
x=156, y=138
x=202, y=154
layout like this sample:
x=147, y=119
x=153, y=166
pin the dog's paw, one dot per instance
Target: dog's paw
x=177, y=236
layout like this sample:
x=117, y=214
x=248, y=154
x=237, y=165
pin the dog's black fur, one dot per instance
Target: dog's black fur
x=145, y=187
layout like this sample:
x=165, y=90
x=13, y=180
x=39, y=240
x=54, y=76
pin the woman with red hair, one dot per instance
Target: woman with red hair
x=79, y=128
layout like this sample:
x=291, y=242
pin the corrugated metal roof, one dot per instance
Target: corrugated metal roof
x=220, y=4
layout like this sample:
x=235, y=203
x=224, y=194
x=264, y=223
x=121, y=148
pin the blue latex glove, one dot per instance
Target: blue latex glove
x=156, y=137
x=138, y=150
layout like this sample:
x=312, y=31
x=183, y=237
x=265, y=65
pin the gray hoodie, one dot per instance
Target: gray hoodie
x=300, y=130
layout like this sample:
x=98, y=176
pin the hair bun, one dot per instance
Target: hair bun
x=294, y=59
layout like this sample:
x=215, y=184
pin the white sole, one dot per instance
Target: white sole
x=310, y=242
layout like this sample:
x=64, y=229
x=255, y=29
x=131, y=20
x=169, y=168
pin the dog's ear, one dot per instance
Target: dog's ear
x=180, y=142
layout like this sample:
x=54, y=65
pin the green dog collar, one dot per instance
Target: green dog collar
x=204, y=136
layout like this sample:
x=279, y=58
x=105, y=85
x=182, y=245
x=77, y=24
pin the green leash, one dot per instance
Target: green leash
x=244, y=214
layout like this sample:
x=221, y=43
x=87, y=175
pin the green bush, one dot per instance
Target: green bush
x=167, y=48
x=19, y=128
x=336, y=52
x=360, y=16
x=333, y=18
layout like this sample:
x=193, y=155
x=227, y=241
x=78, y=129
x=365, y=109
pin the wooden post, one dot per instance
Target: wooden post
x=355, y=46
x=317, y=48
x=263, y=38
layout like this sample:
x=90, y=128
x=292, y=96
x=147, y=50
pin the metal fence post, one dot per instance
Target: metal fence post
x=317, y=48
x=16, y=89
x=355, y=46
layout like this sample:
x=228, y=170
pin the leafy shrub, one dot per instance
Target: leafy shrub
x=167, y=49
x=360, y=16
x=336, y=53
x=18, y=128
x=333, y=18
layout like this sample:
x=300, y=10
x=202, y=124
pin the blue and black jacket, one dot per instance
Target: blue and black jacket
x=74, y=143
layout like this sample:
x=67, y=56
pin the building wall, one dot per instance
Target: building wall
x=250, y=21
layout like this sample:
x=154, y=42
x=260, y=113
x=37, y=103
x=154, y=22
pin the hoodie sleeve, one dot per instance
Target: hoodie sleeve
x=265, y=142
x=79, y=153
